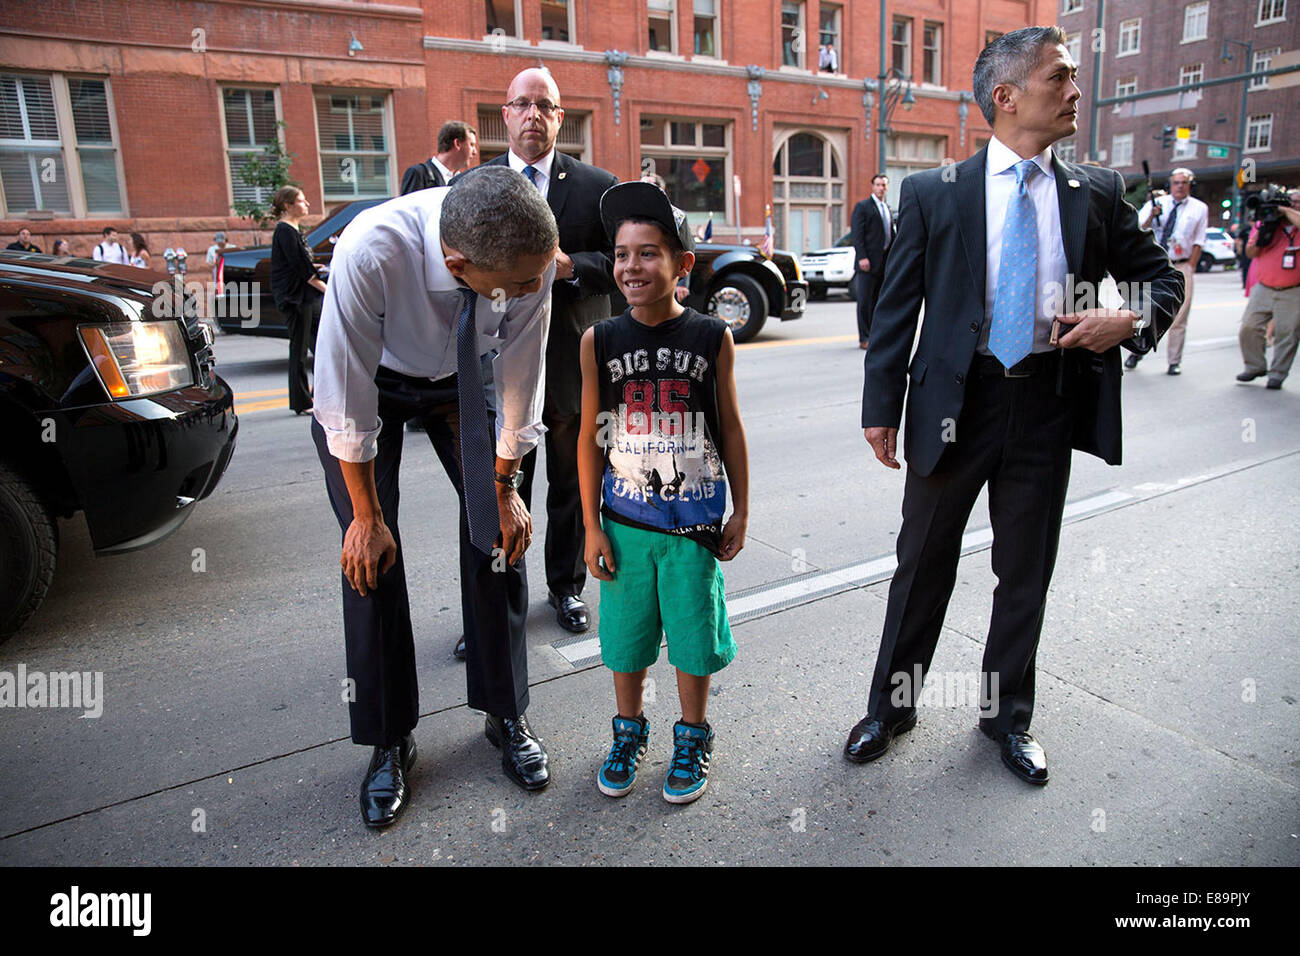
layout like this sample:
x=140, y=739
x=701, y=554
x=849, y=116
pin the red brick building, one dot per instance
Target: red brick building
x=140, y=115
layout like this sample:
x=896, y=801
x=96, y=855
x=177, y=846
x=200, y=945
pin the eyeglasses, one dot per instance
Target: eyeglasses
x=521, y=106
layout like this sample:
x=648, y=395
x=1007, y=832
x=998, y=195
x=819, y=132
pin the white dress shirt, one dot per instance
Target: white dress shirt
x=111, y=252
x=999, y=188
x=390, y=300
x=543, y=167
x=886, y=220
x=447, y=174
x=1189, y=226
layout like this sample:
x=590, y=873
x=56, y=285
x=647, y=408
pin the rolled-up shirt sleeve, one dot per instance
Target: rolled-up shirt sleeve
x=519, y=370
x=348, y=349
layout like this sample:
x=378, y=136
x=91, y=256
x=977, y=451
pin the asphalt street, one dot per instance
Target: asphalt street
x=1168, y=673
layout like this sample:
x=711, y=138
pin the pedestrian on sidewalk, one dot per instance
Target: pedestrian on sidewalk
x=24, y=242
x=991, y=400
x=420, y=288
x=661, y=437
x=139, y=251
x=108, y=249
x=1178, y=220
x=297, y=287
x=1274, y=249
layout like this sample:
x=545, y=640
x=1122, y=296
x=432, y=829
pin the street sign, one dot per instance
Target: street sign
x=1216, y=152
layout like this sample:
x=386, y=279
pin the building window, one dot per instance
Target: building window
x=1191, y=75
x=1196, y=21
x=1071, y=6
x=503, y=18
x=557, y=20
x=67, y=167
x=693, y=158
x=1130, y=37
x=706, y=28
x=663, y=26
x=250, y=127
x=1271, y=11
x=1126, y=86
x=932, y=54
x=808, y=193
x=793, y=41
x=1185, y=148
x=354, y=154
x=829, y=58
x=1262, y=60
x=1072, y=47
x=1259, y=133
x=1065, y=151
x=902, y=42
x=1121, y=150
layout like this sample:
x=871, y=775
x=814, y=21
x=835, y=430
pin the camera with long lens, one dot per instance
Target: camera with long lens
x=1265, y=208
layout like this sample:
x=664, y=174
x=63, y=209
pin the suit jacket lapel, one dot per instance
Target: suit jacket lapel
x=969, y=190
x=1073, y=203
x=558, y=191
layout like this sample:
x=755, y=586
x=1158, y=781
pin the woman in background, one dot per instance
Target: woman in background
x=139, y=251
x=297, y=288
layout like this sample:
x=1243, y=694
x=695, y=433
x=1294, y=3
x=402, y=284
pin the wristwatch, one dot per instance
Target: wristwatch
x=512, y=481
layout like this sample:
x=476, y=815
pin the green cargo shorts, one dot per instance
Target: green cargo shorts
x=663, y=584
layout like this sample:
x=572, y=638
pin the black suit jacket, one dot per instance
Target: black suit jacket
x=867, y=230
x=939, y=257
x=574, y=197
x=423, y=175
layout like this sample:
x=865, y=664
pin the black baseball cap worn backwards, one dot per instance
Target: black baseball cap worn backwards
x=641, y=200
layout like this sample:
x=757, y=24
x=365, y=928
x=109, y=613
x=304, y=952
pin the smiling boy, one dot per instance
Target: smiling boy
x=661, y=438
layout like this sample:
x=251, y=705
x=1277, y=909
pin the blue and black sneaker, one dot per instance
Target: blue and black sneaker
x=631, y=735
x=692, y=751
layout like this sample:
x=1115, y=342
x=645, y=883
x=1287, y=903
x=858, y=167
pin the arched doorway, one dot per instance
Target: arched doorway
x=807, y=191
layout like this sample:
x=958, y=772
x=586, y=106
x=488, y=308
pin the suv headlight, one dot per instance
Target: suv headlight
x=134, y=359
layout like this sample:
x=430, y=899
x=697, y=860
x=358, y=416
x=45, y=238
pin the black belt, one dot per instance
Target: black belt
x=1039, y=363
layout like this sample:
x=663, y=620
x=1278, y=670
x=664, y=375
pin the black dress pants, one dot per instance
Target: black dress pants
x=566, y=571
x=867, y=286
x=1013, y=434
x=302, y=319
x=377, y=627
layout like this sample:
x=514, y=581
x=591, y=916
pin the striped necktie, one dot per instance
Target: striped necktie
x=476, y=461
x=1011, y=334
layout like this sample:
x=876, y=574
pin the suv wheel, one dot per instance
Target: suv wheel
x=28, y=546
x=740, y=302
x=1205, y=263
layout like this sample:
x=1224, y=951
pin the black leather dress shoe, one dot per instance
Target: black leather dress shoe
x=1175, y=369
x=570, y=612
x=1250, y=376
x=870, y=738
x=383, y=791
x=1132, y=360
x=1274, y=384
x=1022, y=754
x=459, y=651
x=523, y=757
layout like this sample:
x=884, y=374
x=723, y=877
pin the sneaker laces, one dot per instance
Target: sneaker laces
x=686, y=758
x=623, y=753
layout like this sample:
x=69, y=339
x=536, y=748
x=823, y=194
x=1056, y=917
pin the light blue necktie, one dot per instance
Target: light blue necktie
x=531, y=173
x=1011, y=334
x=476, y=460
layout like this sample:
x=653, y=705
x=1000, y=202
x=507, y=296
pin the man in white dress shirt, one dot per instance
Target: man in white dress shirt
x=108, y=249
x=420, y=289
x=1178, y=221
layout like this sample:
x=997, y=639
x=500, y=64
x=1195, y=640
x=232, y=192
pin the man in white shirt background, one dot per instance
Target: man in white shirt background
x=108, y=249
x=420, y=289
x=1178, y=220
x=457, y=151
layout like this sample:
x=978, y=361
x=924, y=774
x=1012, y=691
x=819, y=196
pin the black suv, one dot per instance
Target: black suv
x=108, y=405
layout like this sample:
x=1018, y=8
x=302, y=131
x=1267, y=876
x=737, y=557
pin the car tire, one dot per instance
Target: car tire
x=852, y=290
x=28, y=549
x=1205, y=263
x=817, y=292
x=740, y=302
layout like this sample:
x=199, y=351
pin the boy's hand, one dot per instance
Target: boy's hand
x=598, y=547
x=733, y=537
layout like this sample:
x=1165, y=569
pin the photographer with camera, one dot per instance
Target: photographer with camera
x=1275, y=244
x=1179, y=222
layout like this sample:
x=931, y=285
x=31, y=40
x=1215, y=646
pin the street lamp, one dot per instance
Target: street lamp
x=1226, y=56
x=895, y=88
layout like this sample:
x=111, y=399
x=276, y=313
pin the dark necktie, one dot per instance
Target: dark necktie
x=1168, y=230
x=476, y=461
x=531, y=173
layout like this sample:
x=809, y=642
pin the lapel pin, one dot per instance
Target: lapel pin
x=1072, y=183
x=561, y=176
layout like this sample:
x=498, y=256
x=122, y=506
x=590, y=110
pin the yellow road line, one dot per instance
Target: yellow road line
x=261, y=406
x=263, y=393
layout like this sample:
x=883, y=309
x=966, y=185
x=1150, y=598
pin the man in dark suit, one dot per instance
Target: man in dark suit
x=457, y=151
x=998, y=247
x=584, y=277
x=873, y=232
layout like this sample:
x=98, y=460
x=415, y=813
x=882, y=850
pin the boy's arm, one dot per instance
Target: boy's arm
x=591, y=464
x=735, y=451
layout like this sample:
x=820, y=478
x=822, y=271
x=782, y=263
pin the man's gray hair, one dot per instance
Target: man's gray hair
x=493, y=215
x=1183, y=171
x=1009, y=59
